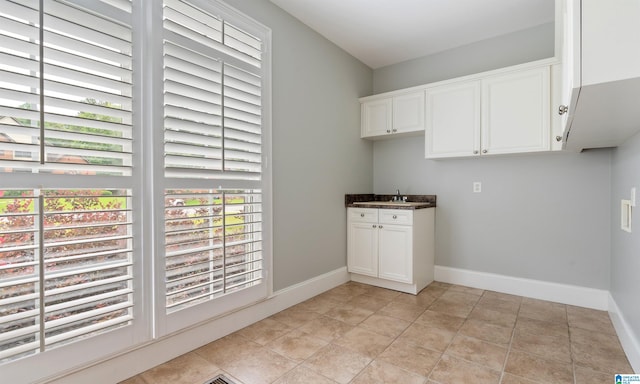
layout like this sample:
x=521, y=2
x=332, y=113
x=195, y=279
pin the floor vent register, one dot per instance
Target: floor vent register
x=220, y=379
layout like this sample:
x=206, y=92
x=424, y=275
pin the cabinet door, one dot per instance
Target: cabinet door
x=610, y=37
x=515, y=112
x=376, y=117
x=362, y=256
x=408, y=113
x=453, y=120
x=566, y=78
x=395, y=256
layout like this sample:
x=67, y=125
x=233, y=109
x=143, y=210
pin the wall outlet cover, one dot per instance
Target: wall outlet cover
x=625, y=215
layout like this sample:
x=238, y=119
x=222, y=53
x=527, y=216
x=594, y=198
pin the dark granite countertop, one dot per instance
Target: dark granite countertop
x=358, y=200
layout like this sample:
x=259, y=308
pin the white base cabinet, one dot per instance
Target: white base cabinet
x=391, y=248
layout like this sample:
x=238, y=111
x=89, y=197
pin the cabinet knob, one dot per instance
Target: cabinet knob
x=558, y=138
x=379, y=226
x=562, y=110
x=362, y=215
x=395, y=216
x=394, y=130
x=484, y=151
x=388, y=131
x=373, y=226
x=475, y=152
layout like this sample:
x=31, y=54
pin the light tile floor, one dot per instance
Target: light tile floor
x=447, y=334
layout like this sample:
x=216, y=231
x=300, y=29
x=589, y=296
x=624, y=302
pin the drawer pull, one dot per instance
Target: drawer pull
x=379, y=226
x=362, y=215
x=395, y=216
x=373, y=225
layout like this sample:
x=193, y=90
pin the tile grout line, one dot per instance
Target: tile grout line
x=456, y=333
x=573, y=360
x=513, y=335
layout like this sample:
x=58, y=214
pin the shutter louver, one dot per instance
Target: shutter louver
x=86, y=88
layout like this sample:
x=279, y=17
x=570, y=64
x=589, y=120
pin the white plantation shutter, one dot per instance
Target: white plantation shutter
x=213, y=138
x=66, y=255
x=212, y=96
x=213, y=246
x=79, y=67
x=65, y=272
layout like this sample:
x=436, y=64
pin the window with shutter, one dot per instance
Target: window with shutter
x=133, y=143
x=213, y=145
x=66, y=254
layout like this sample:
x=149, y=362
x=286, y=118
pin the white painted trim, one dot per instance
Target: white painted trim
x=385, y=283
x=133, y=362
x=628, y=339
x=537, y=289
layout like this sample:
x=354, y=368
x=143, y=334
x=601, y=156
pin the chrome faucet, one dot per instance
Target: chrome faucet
x=397, y=197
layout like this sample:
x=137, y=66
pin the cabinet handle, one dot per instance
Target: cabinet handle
x=395, y=216
x=562, y=110
x=475, y=152
x=394, y=130
x=484, y=151
x=558, y=138
x=380, y=226
x=362, y=215
x=373, y=225
x=388, y=131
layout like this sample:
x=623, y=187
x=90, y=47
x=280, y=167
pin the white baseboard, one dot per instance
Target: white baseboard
x=139, y=360
x=537, y=289
x=628, y=339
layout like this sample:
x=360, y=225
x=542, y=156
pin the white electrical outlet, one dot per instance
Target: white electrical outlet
x=477, y=187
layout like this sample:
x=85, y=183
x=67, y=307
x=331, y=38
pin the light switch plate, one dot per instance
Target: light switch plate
x=633, y=197
x=477, y=187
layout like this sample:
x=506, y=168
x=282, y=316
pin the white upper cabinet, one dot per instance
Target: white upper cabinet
x=515, y=112
x=398, y=114
x=601, y=72
x=505, y=112
x=453, y=120
x=376, y=117
x=408, y=112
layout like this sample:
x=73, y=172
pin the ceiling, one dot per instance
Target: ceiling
x=385, y=32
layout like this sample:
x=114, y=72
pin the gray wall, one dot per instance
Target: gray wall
x=318, y=155
x=516, y=48
x=539, y=216
x=625, y=247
